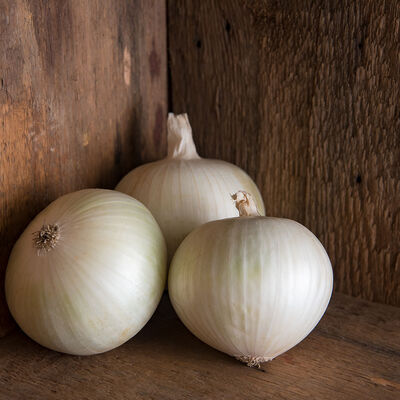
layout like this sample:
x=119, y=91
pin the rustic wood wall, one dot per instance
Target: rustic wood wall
x=83, y=97
x=305, y=96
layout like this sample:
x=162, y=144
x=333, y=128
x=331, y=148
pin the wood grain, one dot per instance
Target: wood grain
x=352, y=354
x=305, y=97
x=83, y=99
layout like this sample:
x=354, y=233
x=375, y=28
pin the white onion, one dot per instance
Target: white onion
x=252, y=287
x=87, y=273
x=185, y=191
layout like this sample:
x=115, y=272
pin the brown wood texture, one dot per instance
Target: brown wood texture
x=354, y=353
x=83, y=99
x=305, y=97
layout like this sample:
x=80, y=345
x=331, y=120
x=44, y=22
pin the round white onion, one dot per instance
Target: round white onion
x=252, y=287
x=87, y=273
x=185, y=191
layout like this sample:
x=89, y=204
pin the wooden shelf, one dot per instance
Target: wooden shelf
x=352, y=354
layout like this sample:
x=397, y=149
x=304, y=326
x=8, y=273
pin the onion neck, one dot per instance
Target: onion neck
x=180, y=139
x=245, y=204
x=46, y=238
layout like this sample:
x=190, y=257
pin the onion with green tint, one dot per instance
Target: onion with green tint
x=252, y=286
x=87, y=273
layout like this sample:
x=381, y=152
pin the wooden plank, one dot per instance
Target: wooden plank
x=83, y=99
x=352, y=354
x=305, y=97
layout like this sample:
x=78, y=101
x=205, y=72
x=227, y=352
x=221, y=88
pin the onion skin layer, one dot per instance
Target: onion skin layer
x=251, y=287
x=99, y=284
x=185, y=194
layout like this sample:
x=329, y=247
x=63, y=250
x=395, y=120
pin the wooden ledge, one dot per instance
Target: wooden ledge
x=352, y=354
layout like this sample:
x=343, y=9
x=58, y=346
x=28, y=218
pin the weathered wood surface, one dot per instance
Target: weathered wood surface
x=352, y=354
x=83, y=99
x=305, y=97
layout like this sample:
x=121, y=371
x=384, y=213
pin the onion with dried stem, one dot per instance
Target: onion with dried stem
x=184, y=191
x=252, y=286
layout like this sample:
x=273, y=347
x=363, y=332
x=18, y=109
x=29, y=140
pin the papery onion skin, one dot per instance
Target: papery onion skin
x=251, y=287
x=184, y=191
x=99, y=284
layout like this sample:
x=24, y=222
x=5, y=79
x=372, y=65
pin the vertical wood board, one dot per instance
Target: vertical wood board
x=305, y=97
x=83, y=99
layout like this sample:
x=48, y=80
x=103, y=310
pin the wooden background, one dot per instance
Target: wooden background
x=83, y=94
x=302, y=95
x=305, y=96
